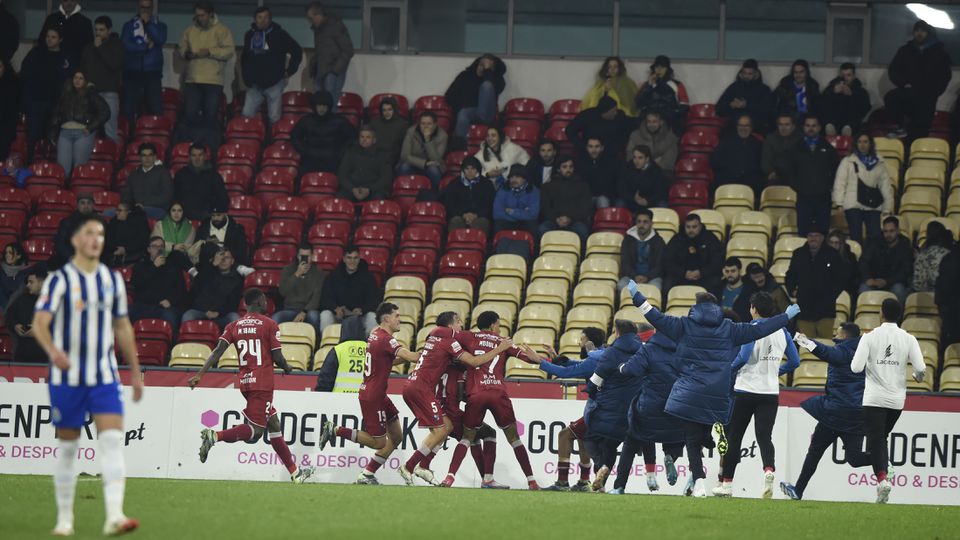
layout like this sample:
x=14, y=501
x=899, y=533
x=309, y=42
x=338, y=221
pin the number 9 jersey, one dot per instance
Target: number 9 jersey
x=255, y=336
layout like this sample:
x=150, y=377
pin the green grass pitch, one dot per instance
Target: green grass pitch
x=187, y=509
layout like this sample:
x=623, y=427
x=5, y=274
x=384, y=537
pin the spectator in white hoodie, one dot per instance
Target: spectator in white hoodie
x=498, y=153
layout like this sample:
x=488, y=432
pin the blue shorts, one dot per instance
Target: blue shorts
x=69, y=405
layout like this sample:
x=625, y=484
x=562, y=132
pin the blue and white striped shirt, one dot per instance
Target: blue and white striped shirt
x=84, y=306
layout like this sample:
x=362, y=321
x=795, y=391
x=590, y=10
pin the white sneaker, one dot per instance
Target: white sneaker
x=120, y=526
x=768, y=479
x=698, y=488
x=425, y=474
x=652, y=484
x=63, y=529
x=406, y=475
x=883, y=492
x=723, y=490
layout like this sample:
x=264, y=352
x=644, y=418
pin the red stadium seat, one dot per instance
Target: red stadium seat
x=317, y=186
x=695, y=167
x=105, y=150
x=335, y=209
x=280, y=131
x=415, y=262
x=842, y=143
x=465, y=264
x=381, y=211
x=421, y=237
x=428, y=213
x=520, y=236
x=201, y=331
x=6, y=349
x=236, y=178
x=612, y=219
x=329, y=233
x=15, y=200
x=564, y=109
x=11, y=223
x=153, y=125
x=688, y=195
x=524, y=109
x=296, y=102
x=239, y=152
x=288, y=208
x=154, y=330
x=245, y=206
x=38, y=248
x=475, y=136
x=242, y=127
x=704, y=114
x=454, y=159
x=557, y=133
x=699, y=141
x=180, y=154
x=437, y=104
x=280, y=154
x=102, y=200
x=93, y=170
x=327, y=257
x=272, y=183
x=519, y=133
x=467, y=240
x=376, y=259
x=408, y=185
x=151, y=353
x=45, y=225
x=57, y=200
x=282, y=232
x=49, y=169
x=382, y=235
x=350, y=102
x=170, y=97
x=266, y=280
x=373, y=108
x=273, y=257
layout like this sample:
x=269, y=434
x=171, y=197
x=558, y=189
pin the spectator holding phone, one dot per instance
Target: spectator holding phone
x=19, y=317
x=300, y=286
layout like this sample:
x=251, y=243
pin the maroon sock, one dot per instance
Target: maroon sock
x=881, y=476
x=428, y=459
x=375, y=463
x=584, y=472
x=563, y=472
x=459, y=453
x=476, y=450
x=243, y=432
x=280, y=447
x=522, y=458
x=650, y=467
x=489, y=455
x=417, y=457
x=346, y=433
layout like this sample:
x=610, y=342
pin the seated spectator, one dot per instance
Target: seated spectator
x=849, y=266
x=661, y=141
x=798, y=93
x=19, y=317
x=517, y=204
x=809, y=167
x=300, y=286
x=390, y=128
x=736, y=160
x=694, y=257
x=612, y=81
x=469, y=198
x=759, y=280
x=126, y=237
x=921, y=72
x=149, y=186
x=498, y=154
x=364, y=173
x=815, y=278
x=177, y=232
x=732, y=285
x=423, y=149
x=564, y=202
x=844, y=102
x=926, y=268
x=13, y=273
x=473, y=94
x=321, y=136
x=158, y=287
x=62, y=247
x=748, y=94
x=776, y=144
x=663, y=94
x=605, y=122
x=216, y=290
x=599, y=170
x=198, y=187
x=887, y=262
x=863, y=189
x=219, y=232
x=265, y=65
x=641, y=182
x=641, y=253
x=79, y=114
x=349, y=290
x=541, y=166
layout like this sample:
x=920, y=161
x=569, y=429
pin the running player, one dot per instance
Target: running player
x=420, y=392
x=253, y=335
x=382, y=431
x=485, y=392
x=81, y=308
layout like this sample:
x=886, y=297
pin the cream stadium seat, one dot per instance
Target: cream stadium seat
x=785, y=246
x=923, y=328
x=519, y=369
x=297, y=356
x=843, y=307
x=950, y=379
x=893, y=170
x=779, y=270
x=548, y=291
x=951, y=356
x=605, y=244
x=855, y=248
x=582, y=317
x=630, y=313
x=560, y=242
x=731, y=199
x=536, y=338
x=600, y=269
x=506, y=311
x=405, y=287
x=787, y=226
x=778, y=201
x=500, y=290
x=867, y=321
x=189, y=355
x=650, y=292
x=298, y=333
x=540, y=316
x=555, y=265
x=511, y=266
x=810, y=374
x=752, y=222
x=683, y=296
x=570, y=344
x=451, y=288
x=920, y=303
x=666, y=222
x=330, y=336
x=914, y=386
x=953, y=201
x=405, y=337
x=870, y=301
x=891, y=150
x=436, y=308
x=930, y=150
x=592, y=292
x=921, y=202
x=713, y=221
x=924, y=175
x=931, y=355
x=748, y=247
x=410, y=310
x=423, y=334
x=229, y=359
x=320, y=357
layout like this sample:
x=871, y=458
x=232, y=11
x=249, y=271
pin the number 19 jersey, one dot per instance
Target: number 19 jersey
x=255, y=336
x=382, y=350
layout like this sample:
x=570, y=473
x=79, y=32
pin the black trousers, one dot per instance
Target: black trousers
x=912, y=110
x=696, y=436
x=762, y=408
x=821, y=439
x=631, y=448
x=603, y=450
x=878, y=423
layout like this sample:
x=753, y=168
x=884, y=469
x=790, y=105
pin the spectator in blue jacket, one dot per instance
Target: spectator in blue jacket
x=517, y=204
x=706, y=345
x=143, y=38
x=839, y=411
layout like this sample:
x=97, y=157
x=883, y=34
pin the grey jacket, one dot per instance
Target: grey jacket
x=773, y=147
x=628, y=254
x=154, y=188
x=417, y=151
x=301, y=294
x=333, y=48
x=663, y=145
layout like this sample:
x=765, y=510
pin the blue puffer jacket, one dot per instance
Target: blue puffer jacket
x=606, y=414
x=574, y=370
x=706, y=347
x=840, y=408
x=140, y=57
x=657, y=366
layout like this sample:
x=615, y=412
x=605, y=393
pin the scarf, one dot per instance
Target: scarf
x=258, y=43
x=868, y=161
x=469, y=183
x=811, y=142
x=11, y=271
x=801, y=96
x=519, y=190
x=175, y=233
x=72, y=13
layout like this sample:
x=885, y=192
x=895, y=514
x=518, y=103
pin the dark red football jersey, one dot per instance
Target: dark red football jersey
x=255, y=336
x=382, y=350
x=488, y=376
x=440, y=350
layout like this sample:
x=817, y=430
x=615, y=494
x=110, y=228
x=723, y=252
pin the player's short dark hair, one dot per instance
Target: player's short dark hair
x=198, y=146
x=487, y=319
x=446, y=318
x=764, y=304
x=731, y=315
x=692, y=216
x=755, y=268
x=598, y=139
x=643, y=211
x=892, y=219
x=705, y=298
x=84, y=220
x=642, y=148
x=253, y=296
x=386, y=308
x=625, y=327
x=851, y=330
x=891, y=310
x=596, y=336
x=428, y=114
x=104, y=20
x=351, y=249
x=147, y=146
x=544, y=141
x=733, y=261
x=809, y=116
x=260, y=10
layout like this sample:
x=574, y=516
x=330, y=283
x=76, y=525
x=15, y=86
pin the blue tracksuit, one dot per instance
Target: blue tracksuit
x=840, y=408
x=574, y=370
x=657, y=366
x=606, y=413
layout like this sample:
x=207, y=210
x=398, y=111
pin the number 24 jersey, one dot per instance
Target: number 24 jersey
x=255, y=336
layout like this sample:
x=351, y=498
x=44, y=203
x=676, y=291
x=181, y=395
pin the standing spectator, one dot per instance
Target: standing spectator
x=887, y=262
x=219, y=232
x=947, y=296
x=364, y=173
x=198, y=187
x=216, y=291
x=605, y=122
x=143, y=38
x=737, y=158
x=424, y=146
x=921, y=72
x=641, y=182
x=126, y=237
x=12, y=275
x=321, y=136
x=300, y=286
x=469, y=198
x=663, y=94
x=79, y=113
x=158, y=286
x=641, y=253
x=10, y=112
x=809, y=167
x=62, y=248
x=599, y=170
x=863, y=189
x=661, y=141
x=333, y=50
x=926, y=268
x=759, y=280
x=19, y=317
x=349, y=290
x=176, y=231
x=776, y=144
x=270, y=57
x=103, y=65
x=75, y=28
x=498, y=154
x=473, y=94
x=748, y=95
x=815, y=279
x=844, y=102
x=849, y=266
x=206, y=46
x=732, y=283
x=563, y=202
x=149, y=186
x=542, y=166
x=9, y=34
x=517, y=204
x=693, y=258
x=391, y=129
x=613, y=81
x=43, y=72
x=798, y=93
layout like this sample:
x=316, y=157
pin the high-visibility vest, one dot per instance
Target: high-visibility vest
x=351, y=356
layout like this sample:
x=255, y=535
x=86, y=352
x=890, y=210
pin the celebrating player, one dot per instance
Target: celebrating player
x=253, y=335
x=81, y=308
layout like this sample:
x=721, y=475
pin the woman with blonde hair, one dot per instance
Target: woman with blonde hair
x=613, y=81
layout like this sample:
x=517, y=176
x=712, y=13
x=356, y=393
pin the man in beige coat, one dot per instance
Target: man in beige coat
x=206, y=46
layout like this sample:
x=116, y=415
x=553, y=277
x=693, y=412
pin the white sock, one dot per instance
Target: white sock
x=65, y=481
x=114, y=472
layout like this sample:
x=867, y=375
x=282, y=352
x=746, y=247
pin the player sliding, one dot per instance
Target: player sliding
x=81, y=308
x=253, y=335
x=382, y=432
x=420, y=392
